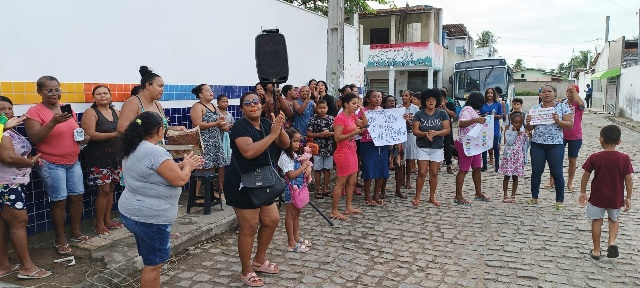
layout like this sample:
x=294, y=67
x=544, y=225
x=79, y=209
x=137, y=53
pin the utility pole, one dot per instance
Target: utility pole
x=606, y=32
x=335, y=46
x=638, y=50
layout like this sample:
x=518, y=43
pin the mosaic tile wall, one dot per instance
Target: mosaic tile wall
x=38, y=207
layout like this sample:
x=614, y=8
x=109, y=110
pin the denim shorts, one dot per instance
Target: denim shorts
x=152, y=240
x=61, y=180
x=574, y=147
x=322, y=162
x=594, y=212
x=12, y=195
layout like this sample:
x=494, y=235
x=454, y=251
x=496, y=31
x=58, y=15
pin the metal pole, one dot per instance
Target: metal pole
x=638, y=51
x=335, y=46
x=606, y=31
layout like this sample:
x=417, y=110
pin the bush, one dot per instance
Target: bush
x=526, y=93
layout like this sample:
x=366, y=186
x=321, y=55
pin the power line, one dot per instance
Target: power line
x=622, y=6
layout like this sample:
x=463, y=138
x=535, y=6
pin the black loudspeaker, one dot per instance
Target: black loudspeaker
x=272, y=61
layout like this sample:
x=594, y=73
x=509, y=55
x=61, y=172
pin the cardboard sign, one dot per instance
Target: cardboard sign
x=542, y=115
x=387, y=126
x=480, y=138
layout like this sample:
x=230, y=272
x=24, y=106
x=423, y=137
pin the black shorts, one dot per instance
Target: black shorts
x=236, y=197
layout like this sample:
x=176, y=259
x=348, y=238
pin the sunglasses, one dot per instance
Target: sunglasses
x=249, y=102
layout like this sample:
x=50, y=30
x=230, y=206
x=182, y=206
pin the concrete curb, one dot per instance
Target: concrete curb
x=124, y=264
x=633, y=125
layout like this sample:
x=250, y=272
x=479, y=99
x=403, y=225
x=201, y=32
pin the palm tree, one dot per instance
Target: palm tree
x=487, y=39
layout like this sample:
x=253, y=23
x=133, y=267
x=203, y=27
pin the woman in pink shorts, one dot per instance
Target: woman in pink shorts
x=345, y=126
x=468, y=118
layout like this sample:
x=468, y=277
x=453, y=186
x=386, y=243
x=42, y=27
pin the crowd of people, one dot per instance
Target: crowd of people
x=121, y=146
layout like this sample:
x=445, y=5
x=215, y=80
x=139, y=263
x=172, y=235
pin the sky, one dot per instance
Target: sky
x=541, y=32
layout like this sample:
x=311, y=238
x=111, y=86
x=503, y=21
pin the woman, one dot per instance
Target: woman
x=101, y=156
x=345, y=127
x=322, y=94
x=304, y=109
x=468, y=119
x=268, y=106
x=289, y=97
x=149, y=203
x=346, y=89
x=223, y=104
x=396, y=157
x=572, y=137
x=492, y=106
x=15, y=168
x=205, y=115
x=53, y=133
x=430, y=125
x=375, y=160
x=410, y=148
x=450, y=108
x=148, y=99
x=547, y=145
x=254, y=141
x=313, y=87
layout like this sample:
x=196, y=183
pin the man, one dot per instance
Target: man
x=589, y=92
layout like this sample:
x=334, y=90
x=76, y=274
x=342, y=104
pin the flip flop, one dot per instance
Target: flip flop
x=252, y=280
x=115, y=225
x=357, y=191
x=305, y=242
x=594, y=257
x=266, y=267
x=612, y=251
x=548, y=186
x=482, y=199
x=465, y=203
x=319, y=195
x=62, y=249
x=338, y=217
x=14, y=270
x=532, y=201
x=435, y=203
x=402, y=195
x=370, y=203
x=380, y=202
x=81, y=239
x=356, y=211
x=299, y=248
x=34, y=276
x=415, y=202
x=103, y=231
x=558, y=206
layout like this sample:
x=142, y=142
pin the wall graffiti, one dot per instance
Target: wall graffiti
x=404, y=54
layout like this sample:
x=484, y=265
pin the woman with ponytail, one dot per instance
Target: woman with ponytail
x=149, y=203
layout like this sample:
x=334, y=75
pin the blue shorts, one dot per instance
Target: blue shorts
x=152, y=240
x=12, y=196
x=61, y=180
x=574, y=147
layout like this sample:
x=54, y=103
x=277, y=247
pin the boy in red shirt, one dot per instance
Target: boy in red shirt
x=612, y=173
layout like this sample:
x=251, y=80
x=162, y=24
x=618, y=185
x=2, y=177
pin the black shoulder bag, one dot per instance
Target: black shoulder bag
x=264, y=185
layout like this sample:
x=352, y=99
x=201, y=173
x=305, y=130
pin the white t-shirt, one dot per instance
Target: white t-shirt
x=285, y=163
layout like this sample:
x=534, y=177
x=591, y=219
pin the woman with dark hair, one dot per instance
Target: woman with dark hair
x=223, y=104
x=15, y=168
x=254, y=143
x=468, y=119
x=375, y=159
x=313, y=88
x=345, y=127
x=396, y=158
x=149, y=203
x=101, y=156
x=53, y=133
x=430, y=125
x=322, y=94
x=450, y=109
x=304, y=109
x=205, y=115
x=268, y=105
x=151, y=90
x=346, y=89
x=410, y=148
x=492, y=106
x=547, y=145
x=289, y=97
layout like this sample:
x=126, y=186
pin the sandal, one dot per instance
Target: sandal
x=370, y=202
x=14, y=270
x=380, y=202
x=115, y=225
x=102, y=231
x=612, y=251
x=415, y=202
x=482, y=198
x=463, y=203
x=548, y=186
x=252, y=280
x=266, y=267
x=357, y=191
x=62, y=249
x=319, y=195
x=594, y=257
x=326, y=194
x=305, y=242
x=558, y=206
x=532, y=201
x=81, y=239
x=299, y=248
x=435, y=203
x=34, y=274
x=401, y=195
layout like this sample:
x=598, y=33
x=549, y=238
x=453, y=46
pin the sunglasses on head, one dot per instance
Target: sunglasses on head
x=249, y=102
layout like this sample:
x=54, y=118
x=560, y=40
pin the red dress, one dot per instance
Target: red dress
x=345, y=156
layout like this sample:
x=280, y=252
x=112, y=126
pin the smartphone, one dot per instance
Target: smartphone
x=66, y=108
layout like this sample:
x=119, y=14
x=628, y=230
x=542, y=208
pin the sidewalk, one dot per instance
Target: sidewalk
x=622, y=121
x=113, y=259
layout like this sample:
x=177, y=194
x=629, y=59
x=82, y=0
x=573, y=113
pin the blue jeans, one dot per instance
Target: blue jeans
x=554, y=155
x=496, y=153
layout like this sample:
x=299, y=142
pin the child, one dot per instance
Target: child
x=294, y=173
x=612, y=173
x=320, y=129
x=515, y=146
x=516, y=106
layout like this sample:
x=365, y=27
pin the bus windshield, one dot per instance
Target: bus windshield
x=468, y=81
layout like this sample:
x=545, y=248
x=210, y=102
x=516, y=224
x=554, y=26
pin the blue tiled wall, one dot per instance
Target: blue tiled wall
x=38, y=207
x=183, y=92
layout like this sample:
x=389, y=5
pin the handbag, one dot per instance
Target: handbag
x=300, y=197
x=263, y=184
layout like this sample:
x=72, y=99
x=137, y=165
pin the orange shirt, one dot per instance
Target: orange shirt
x=59, y=147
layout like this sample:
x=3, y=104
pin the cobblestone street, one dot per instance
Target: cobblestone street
x=489, y=244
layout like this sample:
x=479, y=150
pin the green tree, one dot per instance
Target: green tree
x=487, y=39
x=519, y=65
x=322, y=6
x=580, y=60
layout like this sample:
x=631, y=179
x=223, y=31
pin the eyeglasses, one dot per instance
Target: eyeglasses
x=249, y=102
x=52, y=91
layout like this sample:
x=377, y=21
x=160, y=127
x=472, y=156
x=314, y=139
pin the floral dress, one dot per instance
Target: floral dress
x=514, y=160
x=212, y=141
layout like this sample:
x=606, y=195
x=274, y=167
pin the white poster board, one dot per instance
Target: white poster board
x=480, y=138
x=387, y=126
x=542, y=115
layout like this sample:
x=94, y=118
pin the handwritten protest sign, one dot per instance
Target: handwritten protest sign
x=542, y=115
x=480, y=138
x=387, y=126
